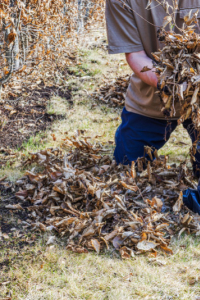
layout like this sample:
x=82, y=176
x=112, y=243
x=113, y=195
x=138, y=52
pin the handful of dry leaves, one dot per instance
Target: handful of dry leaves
x=94, y=204
x=178, y=67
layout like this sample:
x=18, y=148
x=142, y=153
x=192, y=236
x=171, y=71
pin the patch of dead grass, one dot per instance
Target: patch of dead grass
x=12, y=174
x=59, y=274
x=178, y=145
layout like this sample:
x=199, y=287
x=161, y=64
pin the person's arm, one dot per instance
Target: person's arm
x=137, y=61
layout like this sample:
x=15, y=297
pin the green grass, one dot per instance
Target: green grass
x=57, y=106
x=85, y=70
x=34, y=143
x=177, y=148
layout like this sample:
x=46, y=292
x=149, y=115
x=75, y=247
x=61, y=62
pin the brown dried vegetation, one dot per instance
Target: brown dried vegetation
x=95, y=204
x=178, y=67
x=38, y=43
x=113, y=93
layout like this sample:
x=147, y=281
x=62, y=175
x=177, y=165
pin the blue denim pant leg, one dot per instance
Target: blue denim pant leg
x=194, y=137
x=137, y=131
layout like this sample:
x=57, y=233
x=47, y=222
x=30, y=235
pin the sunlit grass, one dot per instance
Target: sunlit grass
x=54, y=273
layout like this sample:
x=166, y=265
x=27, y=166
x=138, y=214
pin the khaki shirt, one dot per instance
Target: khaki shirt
x=129, y=30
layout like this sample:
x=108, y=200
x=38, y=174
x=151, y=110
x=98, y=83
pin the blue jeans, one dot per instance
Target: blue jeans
x=137, y=131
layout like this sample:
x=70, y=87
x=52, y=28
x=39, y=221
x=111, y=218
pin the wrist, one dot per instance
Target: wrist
x=155, y=83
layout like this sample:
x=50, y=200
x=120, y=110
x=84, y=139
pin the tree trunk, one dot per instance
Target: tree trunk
x=80, y=16
x=16, y=53
x=87, y=10
x=8, y=50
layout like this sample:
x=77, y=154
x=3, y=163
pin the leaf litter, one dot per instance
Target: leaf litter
x=95, y=205
x=27, y=113
x=113, y=93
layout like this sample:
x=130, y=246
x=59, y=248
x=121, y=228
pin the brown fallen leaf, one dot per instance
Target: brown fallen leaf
x=157, y=262
x=21, y=194
x=166, y=249
x=51, y=240
x=126, y=253
x=96, y=245
x=177, y=206
x=146, y=245
x=129, y=187
x=14, y=206
x=145, y=69
x=133, y=170
x=3, y=178
x=77, y=249
x=158, y=203
x=53, y=136
x=117, y=242
x=162, y=226
x=111, y=235
x=166, y=21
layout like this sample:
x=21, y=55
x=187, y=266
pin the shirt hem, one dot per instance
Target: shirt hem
x=128, y=49
x=150, y=116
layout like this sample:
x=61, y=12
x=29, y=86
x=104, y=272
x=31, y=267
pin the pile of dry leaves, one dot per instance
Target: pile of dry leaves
x=95, y=204
x=113, y=93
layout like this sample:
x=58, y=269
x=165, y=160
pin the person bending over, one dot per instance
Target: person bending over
x=132, y=29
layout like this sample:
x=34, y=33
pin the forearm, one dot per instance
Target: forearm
x=137, y=61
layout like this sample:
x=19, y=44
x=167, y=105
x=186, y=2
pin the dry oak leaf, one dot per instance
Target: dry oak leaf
x=177, y=206
x=129, y=187
x=166, y=21
x=126, y=252
x=96, y=245
x=161, y=226
x=12, y=36
x=21, y=194
x=133, y=170
x=145, y=69
x=158, y=203
x=9, y=107
x=77, y=249
x=157, y=262
x=15, y=206
x=51, y=240
x=146, y=245
x=53, y=136
x=166, y=249
x=117, y=242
